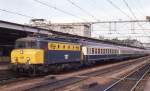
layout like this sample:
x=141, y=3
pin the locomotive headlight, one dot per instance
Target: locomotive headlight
x=16, y=59
x=28, y=60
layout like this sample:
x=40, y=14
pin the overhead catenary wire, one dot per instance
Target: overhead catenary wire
x=115, y=6
x=60, y=10
x=16, y=13
x=83, y=10
x=125, y=2
x=129, y=8
x=141, y=8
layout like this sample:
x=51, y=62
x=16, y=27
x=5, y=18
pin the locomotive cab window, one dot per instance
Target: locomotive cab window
x=26, y=44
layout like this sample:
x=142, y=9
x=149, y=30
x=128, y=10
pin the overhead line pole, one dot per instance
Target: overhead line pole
x=125, y=21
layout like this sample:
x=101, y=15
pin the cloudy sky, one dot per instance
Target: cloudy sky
x=80, y=11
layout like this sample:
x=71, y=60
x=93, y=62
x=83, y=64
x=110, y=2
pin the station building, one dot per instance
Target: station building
x=82, y=29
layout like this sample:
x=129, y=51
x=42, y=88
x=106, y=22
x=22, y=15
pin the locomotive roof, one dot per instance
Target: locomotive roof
x=27, y=39
x=46, y=39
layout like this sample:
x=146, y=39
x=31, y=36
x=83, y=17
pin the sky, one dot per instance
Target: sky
x=60, y=11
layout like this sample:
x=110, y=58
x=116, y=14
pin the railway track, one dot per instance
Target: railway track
x=130, y=81
x=7, y=76
x=57, y=84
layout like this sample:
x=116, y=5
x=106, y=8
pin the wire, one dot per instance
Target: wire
x=83, y=10
x=58, y=9
x=125, y=2
x=15, y=13
x=139, y=6
x=115, y=6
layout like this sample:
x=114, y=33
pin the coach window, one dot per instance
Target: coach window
x=98, y=51
x=92, y=50
x=95, y=50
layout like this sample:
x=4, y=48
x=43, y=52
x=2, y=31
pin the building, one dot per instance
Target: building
x=82, y=29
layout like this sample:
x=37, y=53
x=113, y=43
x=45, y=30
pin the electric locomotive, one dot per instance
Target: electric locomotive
x=32, y=54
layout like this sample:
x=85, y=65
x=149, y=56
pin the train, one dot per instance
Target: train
x=45, y=54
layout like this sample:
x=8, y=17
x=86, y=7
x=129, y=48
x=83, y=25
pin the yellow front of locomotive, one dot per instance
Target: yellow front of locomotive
x=27, y=55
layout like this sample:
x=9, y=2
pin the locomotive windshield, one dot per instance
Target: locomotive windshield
x=26, y=44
